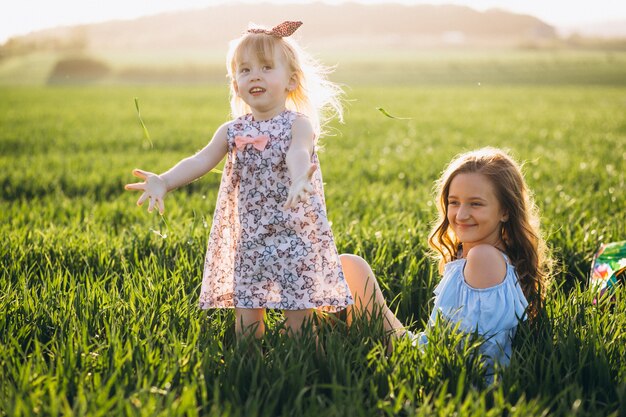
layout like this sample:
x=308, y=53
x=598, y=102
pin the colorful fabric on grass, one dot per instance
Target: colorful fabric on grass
x=608, y=268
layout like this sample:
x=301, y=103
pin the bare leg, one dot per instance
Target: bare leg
x=295, y=318
x=367, y=293
x=249, y=321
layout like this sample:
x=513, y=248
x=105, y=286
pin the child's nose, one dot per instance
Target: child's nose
x=462, y=213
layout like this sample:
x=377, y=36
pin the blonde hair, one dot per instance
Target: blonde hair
x=520, y=233
x=315, y=96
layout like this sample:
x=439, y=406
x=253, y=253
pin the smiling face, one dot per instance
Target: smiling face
x=474, y=211
x=263, y=82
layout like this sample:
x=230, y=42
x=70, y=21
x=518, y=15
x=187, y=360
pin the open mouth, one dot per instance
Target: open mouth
x=256, y=90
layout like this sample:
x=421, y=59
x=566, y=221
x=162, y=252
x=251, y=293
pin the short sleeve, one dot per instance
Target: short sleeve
x=486, y=310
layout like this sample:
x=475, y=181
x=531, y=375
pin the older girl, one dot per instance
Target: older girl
x=491, y=255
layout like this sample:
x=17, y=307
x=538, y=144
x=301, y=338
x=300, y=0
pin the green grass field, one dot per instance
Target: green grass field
x=98, y=298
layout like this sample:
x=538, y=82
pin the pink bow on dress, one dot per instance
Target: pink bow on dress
x=259, y=142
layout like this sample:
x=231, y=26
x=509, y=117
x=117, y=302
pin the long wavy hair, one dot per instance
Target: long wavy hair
x=315, y=96
x=521, y=234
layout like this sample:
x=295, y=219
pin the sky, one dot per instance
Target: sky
x=24, y=16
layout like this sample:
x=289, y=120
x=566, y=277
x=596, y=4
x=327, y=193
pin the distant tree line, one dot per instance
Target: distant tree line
x=24, y=45
x=78, y=70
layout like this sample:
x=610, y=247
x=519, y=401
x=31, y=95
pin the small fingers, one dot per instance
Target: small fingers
x=139, y=173
x=289, y=202
x=303, y=196
x=151, y=205
x=298, y=198
x=161, y=205
x=135, y=186
x=311, y=170
x=142, y=198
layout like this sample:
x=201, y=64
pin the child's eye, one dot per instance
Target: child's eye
x=475, y=204
x=244, y=70
x=267, y=67
x=453, y=203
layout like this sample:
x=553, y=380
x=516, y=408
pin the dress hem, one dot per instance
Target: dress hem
x=324, y=307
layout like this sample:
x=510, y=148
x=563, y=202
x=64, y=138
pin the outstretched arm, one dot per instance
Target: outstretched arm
x=299, y=161
x=155, y=187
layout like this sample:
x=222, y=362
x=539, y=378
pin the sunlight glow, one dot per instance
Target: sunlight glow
x=18, y=18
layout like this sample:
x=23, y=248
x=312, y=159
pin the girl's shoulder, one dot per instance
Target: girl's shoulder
x=293, y=117
x=301, y=122
x=486, y=266
x=297, y=115
x=489, y=308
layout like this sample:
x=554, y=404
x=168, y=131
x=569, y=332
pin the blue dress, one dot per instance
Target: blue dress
x=493, y=312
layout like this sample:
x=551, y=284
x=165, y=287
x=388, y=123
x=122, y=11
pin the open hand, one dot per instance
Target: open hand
x=300, y=188
x=153, y=187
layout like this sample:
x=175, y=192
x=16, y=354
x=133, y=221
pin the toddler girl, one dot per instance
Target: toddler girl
x=270, y=244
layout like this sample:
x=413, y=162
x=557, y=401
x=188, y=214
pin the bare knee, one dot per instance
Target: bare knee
x=351, y=260
x=360, y=279
x=367, y=295
x=355, y=269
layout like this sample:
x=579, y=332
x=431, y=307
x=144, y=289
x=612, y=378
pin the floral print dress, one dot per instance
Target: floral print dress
x=261, y=255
